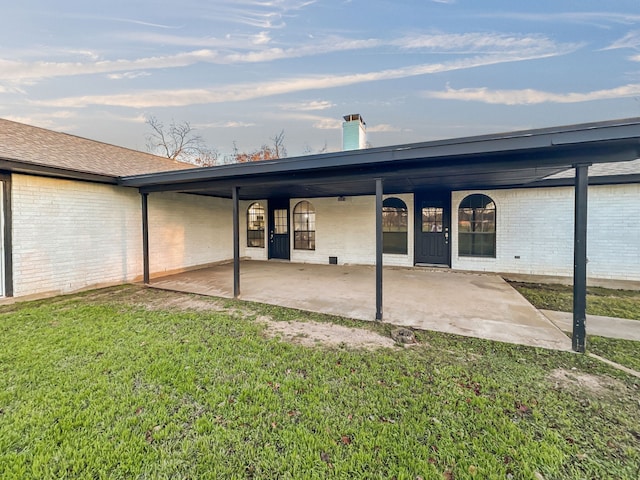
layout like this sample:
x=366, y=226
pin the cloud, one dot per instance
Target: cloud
x=250, y=91
x=145, y=24
x=383, y=127
x=635, y=58
x=259, y=14
x=17, y=71
x=630, y=40
x=485, y=43
x=531, y=96
x=254, y=50
x=319, y=122
x=21, y=72
x=127, y=75
x=261, y=39
x=46, y=120
x=227, y=124
x=598, y=19
x=124, y=20
x=308, y=106
x=164, y=39
x=327, y=124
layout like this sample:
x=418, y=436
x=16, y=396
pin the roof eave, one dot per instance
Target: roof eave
x=27, y=168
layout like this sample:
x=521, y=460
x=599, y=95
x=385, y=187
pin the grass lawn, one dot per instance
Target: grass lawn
x=138, y=383
x=600, y=301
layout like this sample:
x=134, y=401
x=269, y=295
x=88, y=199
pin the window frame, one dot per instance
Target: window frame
x=395, y=231
x=477, y=239
x=252, y=219
x=304, y=238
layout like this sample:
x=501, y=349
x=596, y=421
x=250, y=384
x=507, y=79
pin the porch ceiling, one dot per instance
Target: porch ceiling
x=490, y=161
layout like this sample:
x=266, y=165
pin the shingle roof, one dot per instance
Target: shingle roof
x=604, y=170
x=46, y=148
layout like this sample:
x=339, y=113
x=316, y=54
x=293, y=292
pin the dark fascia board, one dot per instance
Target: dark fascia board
x=538, y=139
x=17, y=166
x=600, y=180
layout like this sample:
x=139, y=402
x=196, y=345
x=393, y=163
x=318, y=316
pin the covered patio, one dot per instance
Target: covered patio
x=509, y=160
x=471, y=304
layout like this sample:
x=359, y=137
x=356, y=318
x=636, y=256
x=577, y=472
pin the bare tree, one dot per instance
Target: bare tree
x=310, y=151
x=178, y=141
x=279, y=150
x=265, y=152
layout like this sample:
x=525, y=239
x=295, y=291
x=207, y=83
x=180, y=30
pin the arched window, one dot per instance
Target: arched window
x=304, y=226
x=255, y=225
x=394, y=226
x=477, y=226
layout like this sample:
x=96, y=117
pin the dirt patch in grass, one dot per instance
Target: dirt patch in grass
x=314, y=333
x=155, y=299
x=184, y=302
x=596, y=385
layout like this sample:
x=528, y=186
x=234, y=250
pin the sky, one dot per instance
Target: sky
x=242, y=71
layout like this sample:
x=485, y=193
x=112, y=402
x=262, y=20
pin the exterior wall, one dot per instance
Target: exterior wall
x=187, y=231
x=69, y=235
x=534, y=233
x=613, y=232
x=346, y=229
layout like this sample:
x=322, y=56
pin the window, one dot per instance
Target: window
x=304, y=226
x=432, y=219
x=477, y=226
x=255, y=225
x=394, y=226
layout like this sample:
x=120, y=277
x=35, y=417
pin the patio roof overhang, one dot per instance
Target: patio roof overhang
x=515, y=159
x=488, y=161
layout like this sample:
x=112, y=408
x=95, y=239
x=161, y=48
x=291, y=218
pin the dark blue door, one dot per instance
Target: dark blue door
x=432, y=224
x=279, y=228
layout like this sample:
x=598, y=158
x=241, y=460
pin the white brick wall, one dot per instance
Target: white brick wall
x=347, y=230
x=188, y=230
x=613, y=232
x=70, y=235
x=537, y=225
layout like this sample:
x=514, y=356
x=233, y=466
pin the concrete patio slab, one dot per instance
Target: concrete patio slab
x=471, y=304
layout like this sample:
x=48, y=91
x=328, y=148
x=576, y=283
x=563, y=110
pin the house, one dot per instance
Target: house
x=66, y=223
x=79, y=214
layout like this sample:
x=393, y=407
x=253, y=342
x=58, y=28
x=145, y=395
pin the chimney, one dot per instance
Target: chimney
x=354, y=132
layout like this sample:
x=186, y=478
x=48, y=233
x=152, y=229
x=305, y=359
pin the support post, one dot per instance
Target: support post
x=379, y=249
x=236, y=243
x=7, y=242
x=580, y=258
x=145, y=238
